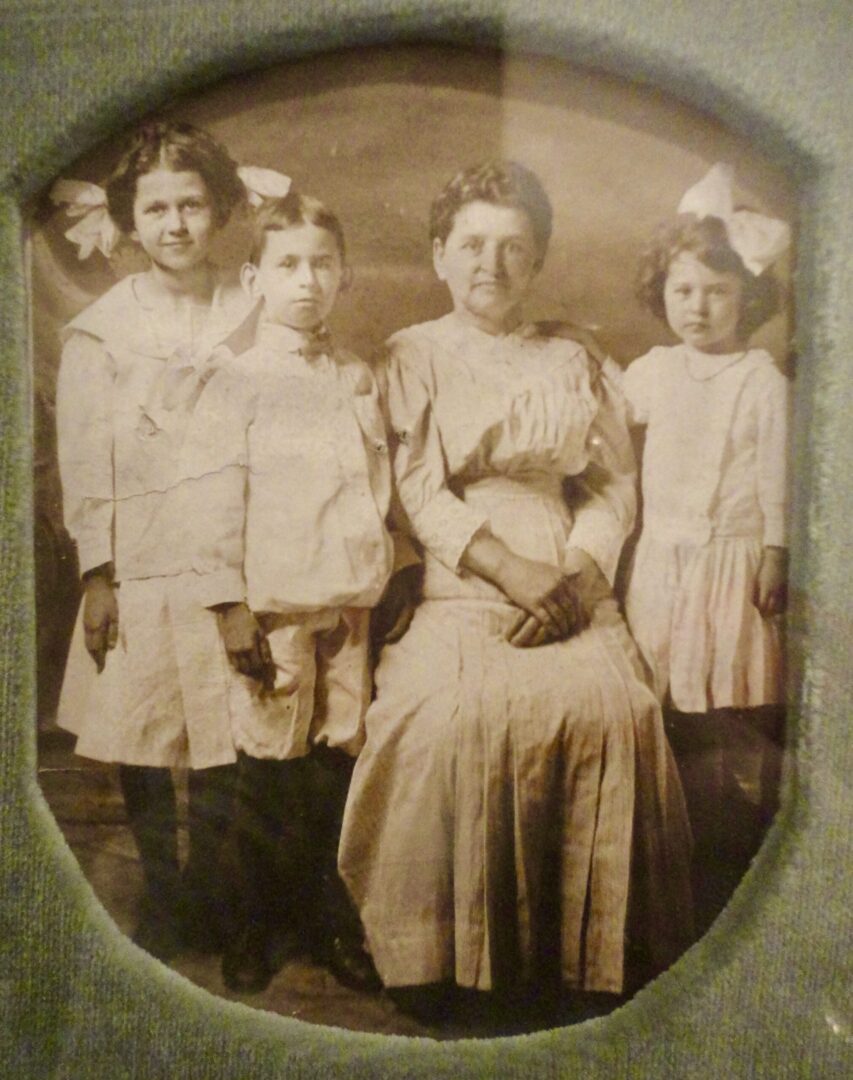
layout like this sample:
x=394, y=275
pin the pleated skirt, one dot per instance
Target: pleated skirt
x=690, y=609
x=507, y=804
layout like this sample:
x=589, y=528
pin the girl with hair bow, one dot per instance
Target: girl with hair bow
x=146, y=676
x=707, y=586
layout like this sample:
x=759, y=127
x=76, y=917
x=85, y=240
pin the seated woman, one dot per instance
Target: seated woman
x=515, y=811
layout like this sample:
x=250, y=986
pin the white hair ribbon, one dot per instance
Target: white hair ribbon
x=88, y=202
x=759, y=240
x=263, y=184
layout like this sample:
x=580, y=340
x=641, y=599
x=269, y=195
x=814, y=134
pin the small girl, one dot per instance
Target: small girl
x=287, y=452
x=145, y=683
x=707, y=584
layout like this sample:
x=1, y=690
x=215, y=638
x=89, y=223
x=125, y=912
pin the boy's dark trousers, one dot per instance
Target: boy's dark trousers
x=180, y=909
x=288, y=817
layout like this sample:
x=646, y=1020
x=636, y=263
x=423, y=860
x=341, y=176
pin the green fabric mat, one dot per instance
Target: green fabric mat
x=767, y=992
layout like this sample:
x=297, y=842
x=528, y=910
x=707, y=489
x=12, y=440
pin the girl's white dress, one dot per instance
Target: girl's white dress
x=714, y=494
x=505, y=795
x=160, y=699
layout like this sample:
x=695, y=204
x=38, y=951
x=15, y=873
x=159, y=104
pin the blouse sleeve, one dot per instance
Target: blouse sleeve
x=636, y=384
x=399, y=527
x=84, y=420
x=606, y=492
x=212, y=492
x=440, y=520
x=773, y=405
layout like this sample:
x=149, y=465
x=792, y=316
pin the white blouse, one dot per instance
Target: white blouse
x=466, y=405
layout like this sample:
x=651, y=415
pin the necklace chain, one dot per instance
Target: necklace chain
x=736, y=359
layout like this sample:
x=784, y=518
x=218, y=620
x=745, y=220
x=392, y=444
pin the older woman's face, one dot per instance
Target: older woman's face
x=488, y=262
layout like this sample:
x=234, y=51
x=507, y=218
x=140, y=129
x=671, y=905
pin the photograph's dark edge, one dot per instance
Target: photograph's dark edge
x=762, y=994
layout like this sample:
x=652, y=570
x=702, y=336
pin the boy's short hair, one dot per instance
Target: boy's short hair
x=707, y=239
x=274, y=215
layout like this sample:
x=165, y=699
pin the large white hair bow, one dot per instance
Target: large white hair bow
x=263, y=184
x=88, y=202
x=759, y=240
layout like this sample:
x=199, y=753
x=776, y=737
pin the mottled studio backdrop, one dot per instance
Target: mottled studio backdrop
x=375, y=134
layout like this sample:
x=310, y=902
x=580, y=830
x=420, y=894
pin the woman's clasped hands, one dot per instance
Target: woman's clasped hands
x=555, y=603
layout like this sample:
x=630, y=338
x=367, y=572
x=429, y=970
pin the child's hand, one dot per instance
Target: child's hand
x=100, y=616
x=771, y=582
x=246, y=644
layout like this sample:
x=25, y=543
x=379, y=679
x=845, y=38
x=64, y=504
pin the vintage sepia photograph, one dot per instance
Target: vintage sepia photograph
x=411, y=507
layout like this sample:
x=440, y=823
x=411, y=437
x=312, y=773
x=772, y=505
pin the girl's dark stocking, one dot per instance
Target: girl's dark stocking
x=149, y=796
x=207, y=905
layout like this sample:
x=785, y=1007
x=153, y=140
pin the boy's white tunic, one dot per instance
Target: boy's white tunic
x=714, y=494
x=289, y=455
x=160, y=699
x=503, y=794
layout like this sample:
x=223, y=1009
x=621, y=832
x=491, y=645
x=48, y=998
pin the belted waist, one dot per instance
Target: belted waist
x=696, y=528
x=524, y=486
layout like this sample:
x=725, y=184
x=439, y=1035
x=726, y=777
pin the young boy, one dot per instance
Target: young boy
x=288, y=446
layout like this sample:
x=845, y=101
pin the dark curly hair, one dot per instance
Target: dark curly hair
x=181, y=148
x=706, y=238
x=503, y=183
x=274, y=215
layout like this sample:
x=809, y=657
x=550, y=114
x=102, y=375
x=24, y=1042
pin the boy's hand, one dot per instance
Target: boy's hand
x=246, y=644
x=100, y=616
x=770, y=594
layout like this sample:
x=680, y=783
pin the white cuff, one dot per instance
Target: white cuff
x=219, y=587
x=595, y=537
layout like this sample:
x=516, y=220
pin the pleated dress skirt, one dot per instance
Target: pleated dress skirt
x=514, y=809
x=690, y=609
